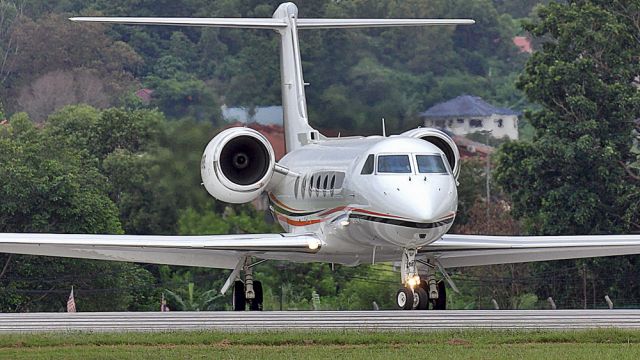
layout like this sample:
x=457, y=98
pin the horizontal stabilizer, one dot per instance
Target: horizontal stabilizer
x=266, y=23
x=364, y=23
x=269, y=23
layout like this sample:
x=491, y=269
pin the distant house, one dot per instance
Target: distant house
x=144, y=95
x=264, y=115
x=523, y=43
x=468, y=114
x=472, y=149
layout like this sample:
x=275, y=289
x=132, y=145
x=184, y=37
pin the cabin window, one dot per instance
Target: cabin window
x=295, y=187
x=430, y=164
x=326, y=182
x=367, y=169
x=396, y=164
x=333, y=182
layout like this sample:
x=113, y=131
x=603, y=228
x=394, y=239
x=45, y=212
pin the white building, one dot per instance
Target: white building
x=468, y=114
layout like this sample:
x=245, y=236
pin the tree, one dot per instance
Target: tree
x=48, y=186
x=54, y=45
x=124, y=144
x=185, y=97
x=574, y=177
x=10, y=13
x=56, y=89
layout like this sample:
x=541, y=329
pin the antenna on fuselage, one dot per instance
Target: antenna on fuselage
x=285, y=21
x=384, y=129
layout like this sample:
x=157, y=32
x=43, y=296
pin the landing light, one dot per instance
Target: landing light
x=413, y=281
x=344, y=222
x=313, y=245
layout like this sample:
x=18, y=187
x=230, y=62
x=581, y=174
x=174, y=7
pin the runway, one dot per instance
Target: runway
x=319, y=320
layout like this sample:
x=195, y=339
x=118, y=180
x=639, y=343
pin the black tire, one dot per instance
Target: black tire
x=441, y=302
x=404, y=299
x=423, y=298
x=256, y=303
x=239, y=299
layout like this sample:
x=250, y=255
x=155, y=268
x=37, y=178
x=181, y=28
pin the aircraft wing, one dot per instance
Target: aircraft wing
x=474, y=250
x=214, y=251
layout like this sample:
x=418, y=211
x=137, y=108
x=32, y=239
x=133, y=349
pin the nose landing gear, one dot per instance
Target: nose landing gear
x=419, y=294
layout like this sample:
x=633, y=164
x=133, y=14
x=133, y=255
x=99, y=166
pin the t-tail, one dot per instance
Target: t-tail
x=285, y=21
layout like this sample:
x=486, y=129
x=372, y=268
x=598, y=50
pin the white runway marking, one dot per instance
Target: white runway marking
x=319, y=320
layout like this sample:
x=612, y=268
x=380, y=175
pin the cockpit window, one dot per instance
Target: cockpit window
x=431, y=164
x=397, y=164
x=367, y=169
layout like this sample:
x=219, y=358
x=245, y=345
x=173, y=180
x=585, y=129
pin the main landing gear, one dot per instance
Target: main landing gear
x=247, y=292
x=419, y=294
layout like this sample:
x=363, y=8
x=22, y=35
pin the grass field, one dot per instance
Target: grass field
x=477, y=344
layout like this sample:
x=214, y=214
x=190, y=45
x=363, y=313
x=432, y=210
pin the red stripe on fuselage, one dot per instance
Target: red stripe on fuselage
x=325, y=216
x=299, y=222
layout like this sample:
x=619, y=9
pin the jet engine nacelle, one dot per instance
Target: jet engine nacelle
x=237, y=165
x=443, y=141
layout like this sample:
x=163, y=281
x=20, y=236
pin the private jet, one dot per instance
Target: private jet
x=345, y=200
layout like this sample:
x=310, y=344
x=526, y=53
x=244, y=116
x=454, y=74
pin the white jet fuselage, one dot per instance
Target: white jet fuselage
x=395, y=203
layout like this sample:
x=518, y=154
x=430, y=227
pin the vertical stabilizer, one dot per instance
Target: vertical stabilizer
x=285, y=21
x=294, y=102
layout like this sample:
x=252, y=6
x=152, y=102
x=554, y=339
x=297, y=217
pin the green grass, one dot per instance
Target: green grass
x=476, y=344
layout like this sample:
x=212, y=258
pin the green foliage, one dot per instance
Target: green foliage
x=42, y=56
x=518, y=9
x=574, y=169
x=576, y=176
x=122, y=144
x=244, y=221
x=50, y=186
x=185, y=97
x=46, y=188
x=192, y=302
x=470, y=190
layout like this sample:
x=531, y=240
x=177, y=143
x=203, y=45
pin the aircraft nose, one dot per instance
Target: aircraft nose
x=422, y=200
x=431, y=203
x=426, y=209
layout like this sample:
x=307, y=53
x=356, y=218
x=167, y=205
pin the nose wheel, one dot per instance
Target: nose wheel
x=405, y=298
x=418, y=294
x=412, y=299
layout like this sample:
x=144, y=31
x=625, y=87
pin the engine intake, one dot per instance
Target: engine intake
x=237, y=165
x=441, y=140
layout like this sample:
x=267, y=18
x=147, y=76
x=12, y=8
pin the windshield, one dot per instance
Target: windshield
x=397, y=164
x=430, y=164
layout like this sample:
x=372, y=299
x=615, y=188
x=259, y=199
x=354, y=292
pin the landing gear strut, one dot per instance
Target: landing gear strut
x=249, y=291
x=418, y=294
